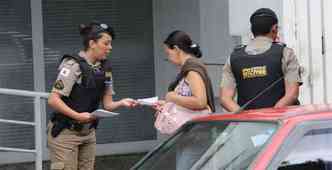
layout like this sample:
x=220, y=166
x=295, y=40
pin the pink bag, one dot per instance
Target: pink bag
x=173, y=116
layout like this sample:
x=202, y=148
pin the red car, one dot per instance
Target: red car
x=277, y=139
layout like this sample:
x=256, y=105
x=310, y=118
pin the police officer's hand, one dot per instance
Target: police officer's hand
x=85, y=117
x=128, y=102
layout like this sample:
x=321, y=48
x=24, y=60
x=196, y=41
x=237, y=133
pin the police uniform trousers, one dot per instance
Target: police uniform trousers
x=72, y=149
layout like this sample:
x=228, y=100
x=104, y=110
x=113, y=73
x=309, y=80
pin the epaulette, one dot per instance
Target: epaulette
x=280, y=43
x=74, y=57
x=239, y=47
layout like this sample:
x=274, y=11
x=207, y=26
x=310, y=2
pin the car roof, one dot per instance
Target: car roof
x=298, y=113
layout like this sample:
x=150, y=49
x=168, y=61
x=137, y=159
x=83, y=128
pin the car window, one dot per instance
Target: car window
x=313, y=151
x=211, y=145
x=235, y=147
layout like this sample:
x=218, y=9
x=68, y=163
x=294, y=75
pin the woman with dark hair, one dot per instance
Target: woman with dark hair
x=192, y=88
x=84, y=79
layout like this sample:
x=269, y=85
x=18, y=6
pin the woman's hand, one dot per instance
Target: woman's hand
x=158, y=106
x=128, y=102
x=170, y=96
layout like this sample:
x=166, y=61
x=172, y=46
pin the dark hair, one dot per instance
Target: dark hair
x=262, y=21
x=184, y=42
x=93, y=31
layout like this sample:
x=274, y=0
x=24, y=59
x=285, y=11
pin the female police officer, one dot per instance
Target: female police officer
x=83, y=80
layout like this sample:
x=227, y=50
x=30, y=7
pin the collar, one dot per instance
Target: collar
x=262, y=39
x=83, y=55
x=258, y=45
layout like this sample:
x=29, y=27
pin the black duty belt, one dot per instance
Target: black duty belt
x=65, y=122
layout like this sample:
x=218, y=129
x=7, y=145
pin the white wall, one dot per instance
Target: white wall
x=216, y=42
x=240, y=12
x=297, y=37
x=327, y=12
x=308, y=21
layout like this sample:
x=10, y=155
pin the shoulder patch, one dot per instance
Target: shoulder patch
x=68, y=67
x=238, y=47
x=65, y=72
x=59, y=85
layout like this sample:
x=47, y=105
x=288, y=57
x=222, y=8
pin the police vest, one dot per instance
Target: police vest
x=86, y=96
x=254, y=73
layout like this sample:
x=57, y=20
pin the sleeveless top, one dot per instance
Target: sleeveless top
x=183, y=89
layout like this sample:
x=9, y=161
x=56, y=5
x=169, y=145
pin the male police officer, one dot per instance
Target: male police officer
x=262, y=63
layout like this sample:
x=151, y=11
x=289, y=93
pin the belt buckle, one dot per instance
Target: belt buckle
x=72, y=127
x=76, y=127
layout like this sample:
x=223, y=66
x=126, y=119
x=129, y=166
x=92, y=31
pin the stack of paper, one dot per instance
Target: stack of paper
x=101, y=113
x=148, y=101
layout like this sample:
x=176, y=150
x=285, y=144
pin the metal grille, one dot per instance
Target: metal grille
x=16, y=72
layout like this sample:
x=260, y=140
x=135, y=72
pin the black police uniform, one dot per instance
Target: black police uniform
x=84, y=97
x=254, y=73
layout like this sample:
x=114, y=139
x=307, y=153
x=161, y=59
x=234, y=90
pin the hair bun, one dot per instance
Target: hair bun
x=183, y=41
x=196, y=50
x=193, y=45
x=84, y=29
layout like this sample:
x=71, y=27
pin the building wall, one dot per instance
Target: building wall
x=168, y=16
x=240, y=12
x=205, y=21
x=309, y=33
x=132, y=59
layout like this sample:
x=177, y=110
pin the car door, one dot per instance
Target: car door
x=307, y=147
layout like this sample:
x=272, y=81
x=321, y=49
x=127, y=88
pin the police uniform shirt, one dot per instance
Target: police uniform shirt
x=70, y=73
x=290, y=65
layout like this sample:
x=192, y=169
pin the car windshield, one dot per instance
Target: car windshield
x=210, y=145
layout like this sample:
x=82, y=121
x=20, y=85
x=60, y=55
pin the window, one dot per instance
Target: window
x=211, y=145
x=313, y=151
x=16, y=72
